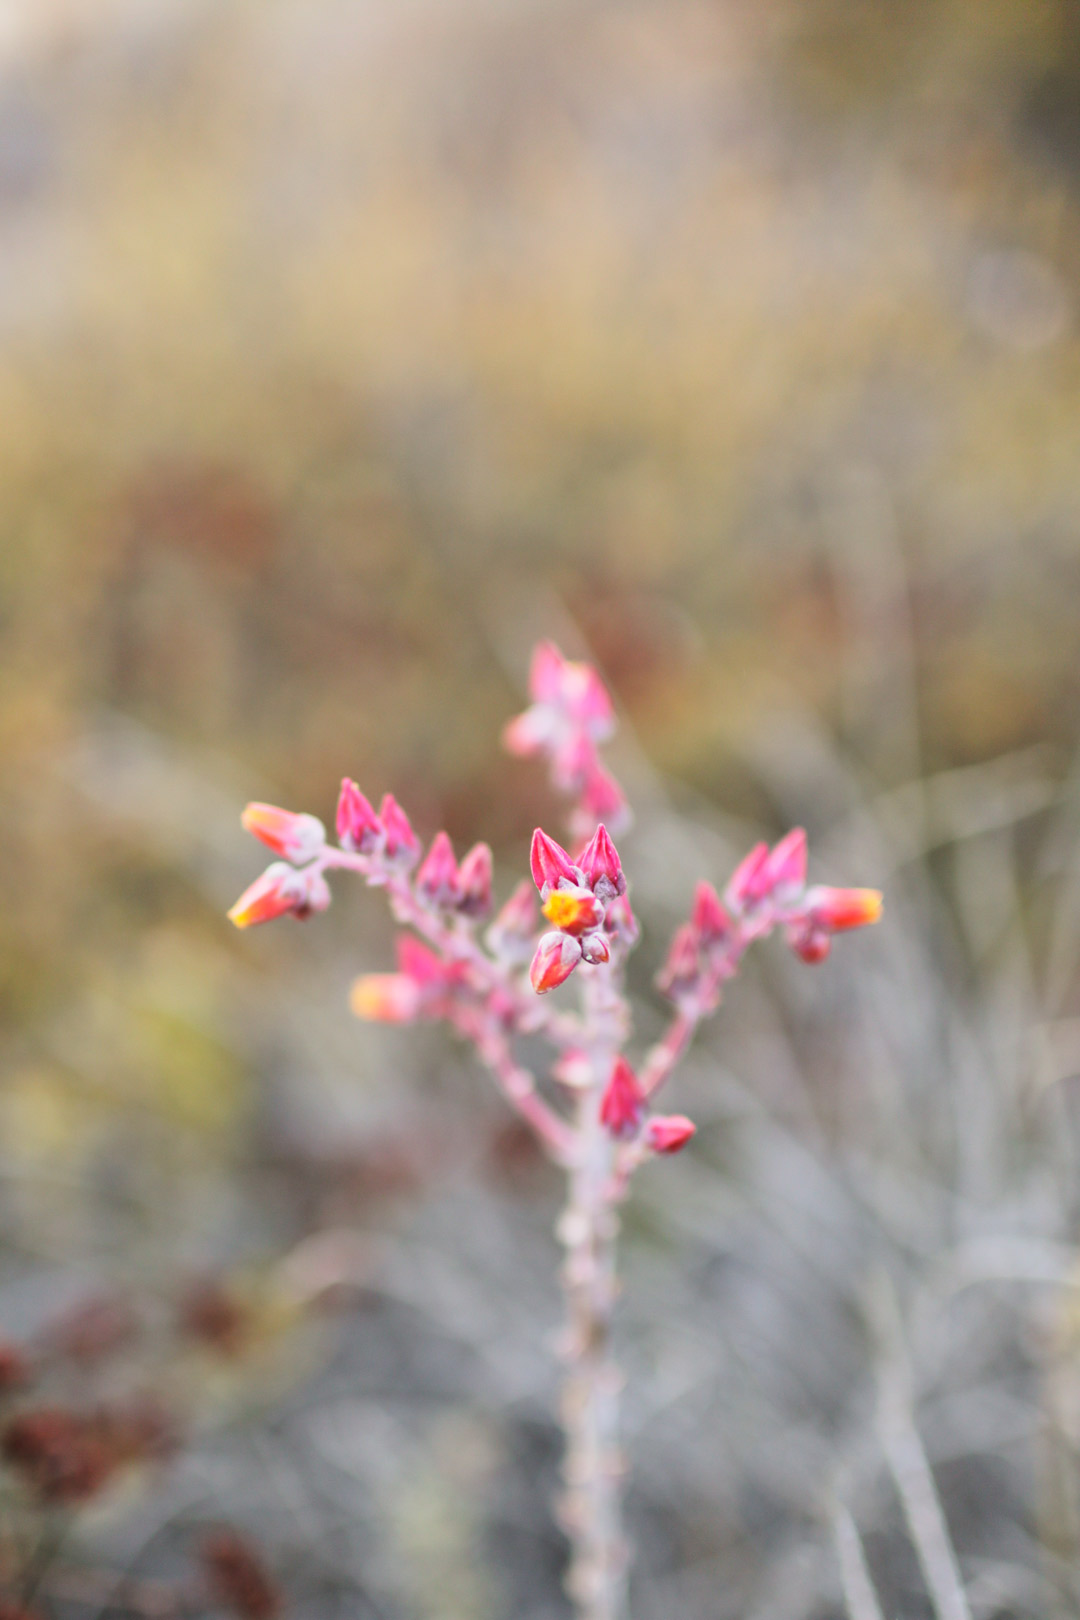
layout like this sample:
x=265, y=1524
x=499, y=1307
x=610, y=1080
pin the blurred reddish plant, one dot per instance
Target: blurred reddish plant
x=489, y=986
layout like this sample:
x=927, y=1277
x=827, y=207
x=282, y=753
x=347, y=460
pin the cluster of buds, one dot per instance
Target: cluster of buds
x=767, y=890
x=570, y=715
x=576, y=899
x=491, y=989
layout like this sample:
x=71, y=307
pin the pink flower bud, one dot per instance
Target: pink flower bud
x=402, y=843
x=600, y=862
x=279, y=890
x=750, y=882
x=296, y=837
x=594, y=948
x=385, y=998
x=786, y=866
x=474, y=882
x=841, y=909
x=709, y=919
x=668, y=1133
x=557, y=955
x=623, y=1102
x=681, y=972
x=358, y=827
x=574, y=909
x=550, y=863
x=437, y=879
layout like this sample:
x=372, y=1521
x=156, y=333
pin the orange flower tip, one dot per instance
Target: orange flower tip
x=279, y=890
x=296, y=837
x=574, y=910
x=841, y=909
x=385, y=998
x=669, y=1133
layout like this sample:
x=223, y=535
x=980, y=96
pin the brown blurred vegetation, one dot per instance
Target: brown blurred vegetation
x=345, y=347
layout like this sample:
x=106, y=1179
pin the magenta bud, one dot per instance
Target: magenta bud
x=518, y=915
x=550, y=864
x=437, y=879
x=786, y=866
x=750, y=882
x=402, y=843
x=600, y=862
x=623, y=1103
x=594, y=948
x=556, y=957
x=358, y=827
x=709, y=919
x=474, y=882
x=667, y=1133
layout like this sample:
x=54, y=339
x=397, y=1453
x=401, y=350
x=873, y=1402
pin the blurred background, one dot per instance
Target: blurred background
x=345, y=348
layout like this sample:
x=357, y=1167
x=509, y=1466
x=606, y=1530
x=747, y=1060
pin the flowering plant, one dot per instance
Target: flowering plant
x=489, y=980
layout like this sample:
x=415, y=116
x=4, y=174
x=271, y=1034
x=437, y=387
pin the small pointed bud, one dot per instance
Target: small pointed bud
x=623, y=1103
x=841, y=909
x=557, y=955
x=296, y=837
x=402, y=843
x=749, y=883
x=709, y=918
x=682, y=969
x=385, y=998
x=279, y=890
x=546, y=673
x=600, y=862
x=437, y=879
x=574, y=909
x=787, y=866
x=668, y=1133
x=474, y=882
x=594, y=948
x=358, y=827
x=550, y=864
x=809, y=940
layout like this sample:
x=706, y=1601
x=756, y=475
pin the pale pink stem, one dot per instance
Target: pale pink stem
x=588, y=1229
